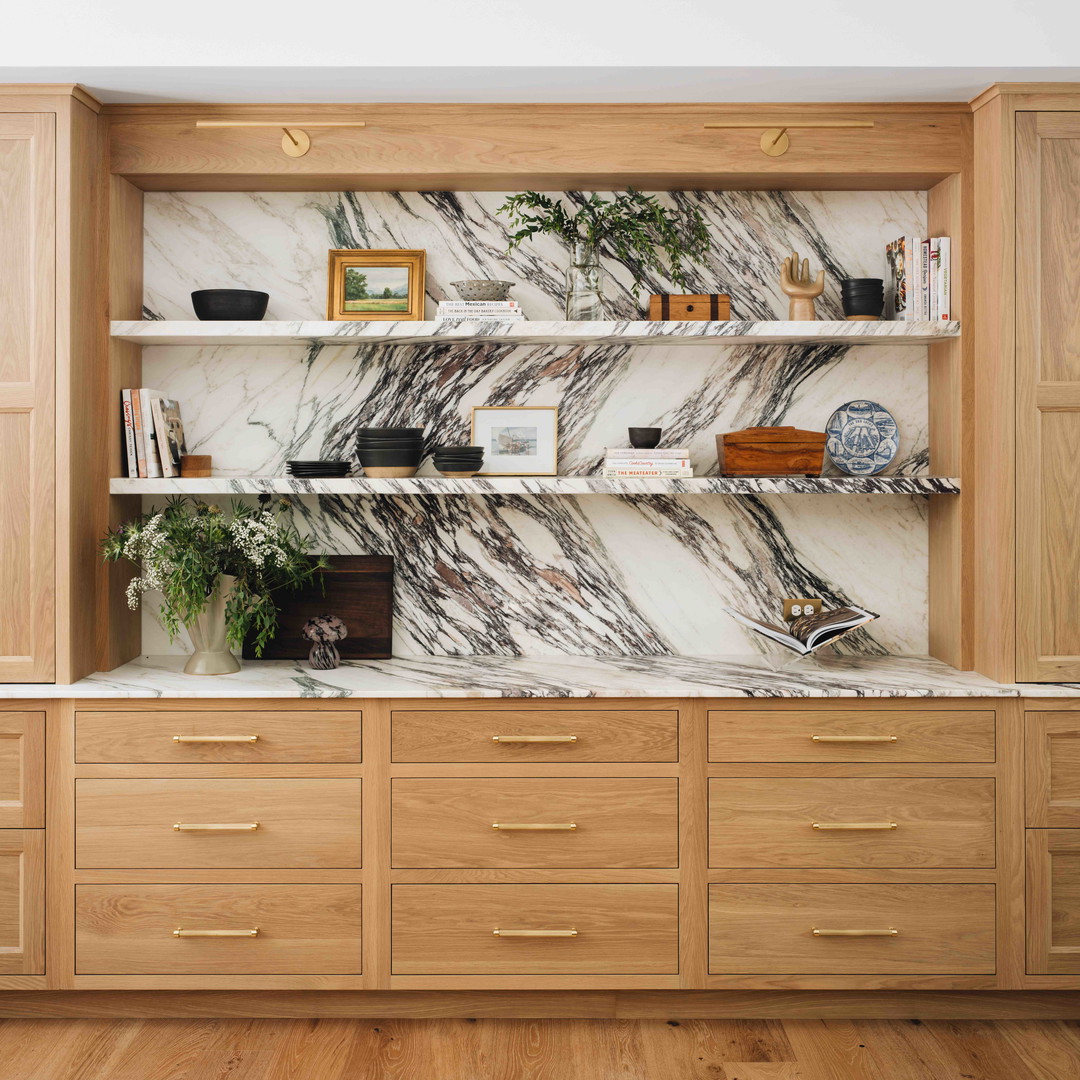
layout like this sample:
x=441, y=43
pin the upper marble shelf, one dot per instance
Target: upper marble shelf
x=540, y=485
x=161, y=332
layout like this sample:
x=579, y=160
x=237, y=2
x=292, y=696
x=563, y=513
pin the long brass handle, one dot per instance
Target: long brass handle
x=239, y=826
x=831, y=826
x=563, y=826
x=181, y=932
x=854, y=738
x=215, y=738
x=890, y=932
x=534, y=738
x=535, y=933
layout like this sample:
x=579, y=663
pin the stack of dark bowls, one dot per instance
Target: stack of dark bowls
x=459, y=460
x=863, y=298
x=390, y=452
x=311, y=469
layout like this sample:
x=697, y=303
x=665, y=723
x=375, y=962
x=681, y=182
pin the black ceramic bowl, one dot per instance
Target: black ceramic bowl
x=461, y=449
x=227, y=305
x=645, y=438
x=390, y=432
x=871, y=305
x=389, y=457
x=861, y=281
x=458, y=463
x=389, y=444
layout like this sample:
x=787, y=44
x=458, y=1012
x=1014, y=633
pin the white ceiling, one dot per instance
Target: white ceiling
x=533, y=84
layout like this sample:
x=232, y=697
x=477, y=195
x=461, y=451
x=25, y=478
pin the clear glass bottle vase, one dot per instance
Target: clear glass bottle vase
x=584, y=283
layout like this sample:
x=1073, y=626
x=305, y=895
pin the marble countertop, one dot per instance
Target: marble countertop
x=541, y=677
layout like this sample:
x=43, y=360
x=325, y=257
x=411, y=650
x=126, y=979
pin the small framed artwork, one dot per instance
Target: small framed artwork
x=386, y=285
x=518, y=440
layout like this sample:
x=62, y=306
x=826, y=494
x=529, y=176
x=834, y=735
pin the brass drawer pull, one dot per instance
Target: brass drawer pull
x=564, y=826
x=240, y=826
x=831, y=826
x=853, y=738
x=854, y=933
x=215, y=738
x=535, y=933
x=181, y=932
x=534, y=738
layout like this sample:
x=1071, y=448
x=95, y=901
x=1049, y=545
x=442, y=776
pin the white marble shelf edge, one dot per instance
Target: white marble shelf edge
x=539, y=485
x=464, y=331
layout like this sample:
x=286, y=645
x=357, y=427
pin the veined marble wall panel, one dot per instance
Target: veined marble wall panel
x=593, y=575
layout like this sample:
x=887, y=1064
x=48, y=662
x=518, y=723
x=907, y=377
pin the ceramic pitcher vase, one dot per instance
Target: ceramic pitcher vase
x=207, y=632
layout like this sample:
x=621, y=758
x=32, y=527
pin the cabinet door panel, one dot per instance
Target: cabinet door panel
x=22, y=901
x=22, y=770
x=1052, y=762
x=1047, y=396
x=27, y=363
x=1053, y=901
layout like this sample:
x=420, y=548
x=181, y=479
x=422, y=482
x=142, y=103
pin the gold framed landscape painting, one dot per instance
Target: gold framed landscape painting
x=518, y=440
x=376, y=285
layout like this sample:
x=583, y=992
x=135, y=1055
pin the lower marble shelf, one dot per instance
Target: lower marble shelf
x=540, y=485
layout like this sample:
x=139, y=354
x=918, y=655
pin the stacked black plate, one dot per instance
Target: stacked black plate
x=863, y=297
x=457, y=460
x=311, y=469
x=390, y=452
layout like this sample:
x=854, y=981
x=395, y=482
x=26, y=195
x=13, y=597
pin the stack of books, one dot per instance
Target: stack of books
x=480, y=310
x=152, y=432
x=671, y=464
x=919, y=288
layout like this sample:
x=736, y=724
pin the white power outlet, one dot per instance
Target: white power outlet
x=801, y=605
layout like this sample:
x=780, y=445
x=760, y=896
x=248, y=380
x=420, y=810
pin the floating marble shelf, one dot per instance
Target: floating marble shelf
x=541, y=485
x=464, y=331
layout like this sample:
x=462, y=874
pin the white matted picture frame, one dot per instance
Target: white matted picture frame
x=518, y=440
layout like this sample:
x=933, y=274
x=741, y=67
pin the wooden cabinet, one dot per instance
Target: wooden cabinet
x=1053, y=901
x=535, y=929
x=217, y=929
x=1047, y=396
x=1052, y=765
x=527, y=822
x=851, y=929
x=27, y=373
x=22, y=770
x=22, y=901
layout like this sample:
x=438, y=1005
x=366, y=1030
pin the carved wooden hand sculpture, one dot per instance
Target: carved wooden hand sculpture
x=796, y=283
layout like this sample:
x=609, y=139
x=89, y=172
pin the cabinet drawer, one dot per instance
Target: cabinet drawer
x=870, y=821
x=301, y=929
x=299, y=823
x=518, y=735
x=620, y=929
x=851, y=735
x=586, y=822
x=199, y=737
x=769, y=929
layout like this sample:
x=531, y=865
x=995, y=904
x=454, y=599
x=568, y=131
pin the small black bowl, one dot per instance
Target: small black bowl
x=390, y=432
x=870, y=305
x=383, y=458
x=460, y=449
x=847, y=282
x=390, y=444
x=227, y=305
x=645, y=438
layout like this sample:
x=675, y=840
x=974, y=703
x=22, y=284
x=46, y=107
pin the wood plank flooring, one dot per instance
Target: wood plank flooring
x=534, y=1049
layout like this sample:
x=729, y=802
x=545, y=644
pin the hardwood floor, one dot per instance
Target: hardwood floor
x=534, y=1049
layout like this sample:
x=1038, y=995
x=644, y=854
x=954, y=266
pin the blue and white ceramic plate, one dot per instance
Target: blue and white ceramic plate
x=862, y=438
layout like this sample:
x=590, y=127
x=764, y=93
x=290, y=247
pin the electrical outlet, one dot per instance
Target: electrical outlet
x=800, y=605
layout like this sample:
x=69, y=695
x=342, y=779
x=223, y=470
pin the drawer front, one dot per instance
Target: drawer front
x=851, y=735
x=299, y=929
x=769, y=929
x=300, y=823
x=517, y=735
x=224, y=737
x=550, y=822
x=620, y=929
x=812, y=822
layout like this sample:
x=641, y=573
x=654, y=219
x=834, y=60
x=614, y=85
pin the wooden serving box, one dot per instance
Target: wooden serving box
x=771, y=451
x=703, y=307
x=358, y=589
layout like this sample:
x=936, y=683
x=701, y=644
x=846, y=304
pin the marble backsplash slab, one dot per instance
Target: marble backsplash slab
x=533, y=576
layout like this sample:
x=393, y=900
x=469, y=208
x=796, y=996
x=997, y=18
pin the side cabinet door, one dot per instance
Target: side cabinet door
x=22, y=901
x=1052, y=768
x=1047, y=397
x=27, y=364
x=1053, y=901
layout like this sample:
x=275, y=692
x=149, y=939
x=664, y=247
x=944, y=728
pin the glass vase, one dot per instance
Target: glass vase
x=584, y=284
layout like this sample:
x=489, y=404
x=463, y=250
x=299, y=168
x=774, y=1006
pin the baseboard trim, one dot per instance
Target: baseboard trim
x=546, y=1004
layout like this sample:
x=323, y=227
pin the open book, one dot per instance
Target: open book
x=808, y=632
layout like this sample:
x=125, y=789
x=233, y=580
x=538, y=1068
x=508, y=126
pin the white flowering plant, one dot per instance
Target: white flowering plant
x=182, y=550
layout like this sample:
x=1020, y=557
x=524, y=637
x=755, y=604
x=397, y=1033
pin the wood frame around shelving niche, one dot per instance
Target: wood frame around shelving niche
x=553, y=147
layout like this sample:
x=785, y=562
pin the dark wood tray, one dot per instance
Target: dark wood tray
x=358, y=589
